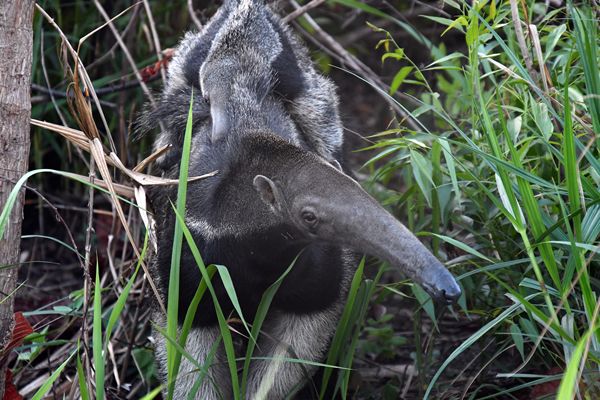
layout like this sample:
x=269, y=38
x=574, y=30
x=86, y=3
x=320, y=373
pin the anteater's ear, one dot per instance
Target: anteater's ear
x=269, y=192
x=220, y=121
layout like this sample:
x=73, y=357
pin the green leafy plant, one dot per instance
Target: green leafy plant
x=518, y=177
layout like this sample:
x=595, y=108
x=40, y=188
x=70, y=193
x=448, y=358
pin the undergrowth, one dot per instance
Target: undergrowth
x=491, y=157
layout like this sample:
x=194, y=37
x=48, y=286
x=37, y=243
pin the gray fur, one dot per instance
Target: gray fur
x=313, y=113
x=216, y=383
x=237, y=70
x=269, y=123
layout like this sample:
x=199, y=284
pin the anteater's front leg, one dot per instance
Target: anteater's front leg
x=211, y=384
x=290, y=336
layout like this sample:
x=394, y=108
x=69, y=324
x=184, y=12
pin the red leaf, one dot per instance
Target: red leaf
x=151, y=71
x=21, y=329
x=10, y=391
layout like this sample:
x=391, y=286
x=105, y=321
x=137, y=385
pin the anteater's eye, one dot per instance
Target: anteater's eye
x=309, y=217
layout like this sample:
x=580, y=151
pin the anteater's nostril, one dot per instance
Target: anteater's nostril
x=452, y=294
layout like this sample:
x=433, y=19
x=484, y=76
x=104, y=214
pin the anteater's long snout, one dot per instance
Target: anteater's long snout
x=389, y=240
x=367, y=227
x=386, y=238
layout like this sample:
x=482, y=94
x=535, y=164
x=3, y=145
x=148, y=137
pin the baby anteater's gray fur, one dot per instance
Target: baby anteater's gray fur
x=263, y=49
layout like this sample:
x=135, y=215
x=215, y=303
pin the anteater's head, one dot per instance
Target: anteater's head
x=324, y=204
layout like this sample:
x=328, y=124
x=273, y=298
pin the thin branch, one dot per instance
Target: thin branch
x=514, y=10
x=193, y=15
x=535, y=38
x=87, y=279
x=125, y=52
x=302, y=10
x=103, y=91
x=47, y=80
x=110, y=52
x=155, y=37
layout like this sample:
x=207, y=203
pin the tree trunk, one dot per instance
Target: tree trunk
x=16, y=36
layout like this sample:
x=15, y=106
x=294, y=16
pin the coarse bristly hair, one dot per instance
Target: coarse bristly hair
x=309, y=99
x=259, y=105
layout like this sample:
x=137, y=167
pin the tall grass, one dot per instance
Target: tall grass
x=519, y=177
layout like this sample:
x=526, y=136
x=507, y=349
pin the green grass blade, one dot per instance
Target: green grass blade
x=153, y=394
x=83, y=389
x=120, y=303
x=202, y=368
x=569, y=383
x=97, y=345
x=179, y=348
x=363, y=297
x=468, y=342
x=572, y=181
x=191, y=313
x=586, y=37
x=337, y=348
x=45, y=388
x=174, y=274
x=12, y=197
x=451, y=167
x=261, y=314
x=230, y=289
x=224, y=328
x=494, y=267
x=60, y=242
x=463, y=247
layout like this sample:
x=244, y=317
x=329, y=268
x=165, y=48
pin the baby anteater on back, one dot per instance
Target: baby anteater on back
x=268, y=123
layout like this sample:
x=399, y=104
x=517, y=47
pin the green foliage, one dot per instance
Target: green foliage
x=502, y=176
x=97, y=337
x=518, y=177
x=381, y=338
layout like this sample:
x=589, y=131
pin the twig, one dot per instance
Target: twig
x=103, y=91
x=425, y=6
x=302, y=10
x=47, y=80
x=314, y=41
x=142, y=165
x=352, y=37
x=514, y=10
x=193, y=15
x=125, y=52
x=87, y=279
x=131, y=339
x=60, y=219
x=155, y=38
x=535, y=38
x=110, y=51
